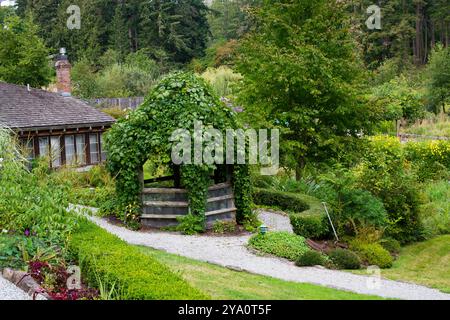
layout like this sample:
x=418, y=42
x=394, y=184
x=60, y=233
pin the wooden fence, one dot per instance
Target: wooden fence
x=122, y=103
x=404, y=137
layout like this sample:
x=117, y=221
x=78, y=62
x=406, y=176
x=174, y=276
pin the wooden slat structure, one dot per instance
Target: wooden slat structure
x=162, y=206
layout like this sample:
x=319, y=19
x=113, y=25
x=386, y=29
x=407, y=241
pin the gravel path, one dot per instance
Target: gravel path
x=9, y=291
x=232, y=252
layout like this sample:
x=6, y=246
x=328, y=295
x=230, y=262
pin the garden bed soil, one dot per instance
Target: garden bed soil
x=325, y=246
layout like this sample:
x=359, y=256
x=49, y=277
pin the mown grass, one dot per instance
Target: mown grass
x=436, y=211
x=225, y=284
x=426, y=263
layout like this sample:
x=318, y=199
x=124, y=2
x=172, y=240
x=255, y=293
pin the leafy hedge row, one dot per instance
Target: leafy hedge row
x=135, y=275
x=307, y=216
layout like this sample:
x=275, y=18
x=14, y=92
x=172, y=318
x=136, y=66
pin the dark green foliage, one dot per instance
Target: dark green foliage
x=438, y=71
x=243, y=196
x=408, y=29
x=302, y=74
x=135, y=275
x=310, y=225
x=311, y=258
x=173, y=32
x=361, y=208
x=280, y=244
x=228, y=18
x=372, y=253
x=391, y=245
x=345, y=259
x=23, y=55
x=191, y=224
x=283, y=200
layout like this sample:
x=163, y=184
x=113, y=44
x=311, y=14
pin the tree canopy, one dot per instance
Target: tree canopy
x=23, y=55
x=301, y=73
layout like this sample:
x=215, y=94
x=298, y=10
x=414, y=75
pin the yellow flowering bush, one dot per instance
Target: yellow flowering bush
x=429, y=157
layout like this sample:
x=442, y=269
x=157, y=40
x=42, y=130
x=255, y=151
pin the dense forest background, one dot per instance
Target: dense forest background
x=179, y=30
x=123, y=46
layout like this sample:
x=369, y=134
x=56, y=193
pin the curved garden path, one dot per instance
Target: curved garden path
x=9, y=291
x=232, y=252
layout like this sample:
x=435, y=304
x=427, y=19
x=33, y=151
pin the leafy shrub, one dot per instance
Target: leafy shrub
x=135, y=275
x=280, y=244
x=224, y=226
x=190, y=224
x=372, y=253
x=362, y=209
x=391, y=245
x=311, y=258
x=310, y=225
x=345, y=259
x=385, y=172
x=31, y=201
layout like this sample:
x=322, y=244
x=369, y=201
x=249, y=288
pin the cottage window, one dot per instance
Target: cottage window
x=94, y=148
x=55, y=145
x=102, y=147
x=81, y=149
x=28, y=148
x=43, y=146
x=70, y=149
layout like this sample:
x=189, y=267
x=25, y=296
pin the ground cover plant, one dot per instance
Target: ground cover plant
x=280, y=244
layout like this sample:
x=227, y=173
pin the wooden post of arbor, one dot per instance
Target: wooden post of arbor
x=176, y=176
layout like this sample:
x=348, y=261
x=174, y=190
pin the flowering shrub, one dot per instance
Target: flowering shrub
x=429, y=157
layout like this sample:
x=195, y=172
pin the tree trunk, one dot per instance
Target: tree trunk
x=418, y=43
x=433, y=36
x=299, y=170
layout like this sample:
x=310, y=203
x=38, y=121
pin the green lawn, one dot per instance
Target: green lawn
x=225, y=284
x=426, y=263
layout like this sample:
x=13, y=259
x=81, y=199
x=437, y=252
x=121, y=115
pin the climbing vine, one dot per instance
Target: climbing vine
x=176, y=102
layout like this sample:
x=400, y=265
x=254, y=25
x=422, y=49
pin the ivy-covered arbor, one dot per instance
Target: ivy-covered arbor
x=177, y=101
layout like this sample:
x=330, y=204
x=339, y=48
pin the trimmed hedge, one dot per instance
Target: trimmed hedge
x=372, y=253
x=136, y=275
x=345, y=259
x=311, y=258
x=308, y=218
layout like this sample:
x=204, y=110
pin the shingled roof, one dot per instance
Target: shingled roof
x=38, y=109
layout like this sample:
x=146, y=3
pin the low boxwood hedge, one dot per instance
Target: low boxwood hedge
x=137, y=276
x=308, y=218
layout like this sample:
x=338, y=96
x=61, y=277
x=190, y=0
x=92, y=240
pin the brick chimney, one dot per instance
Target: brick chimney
x=63, y=68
